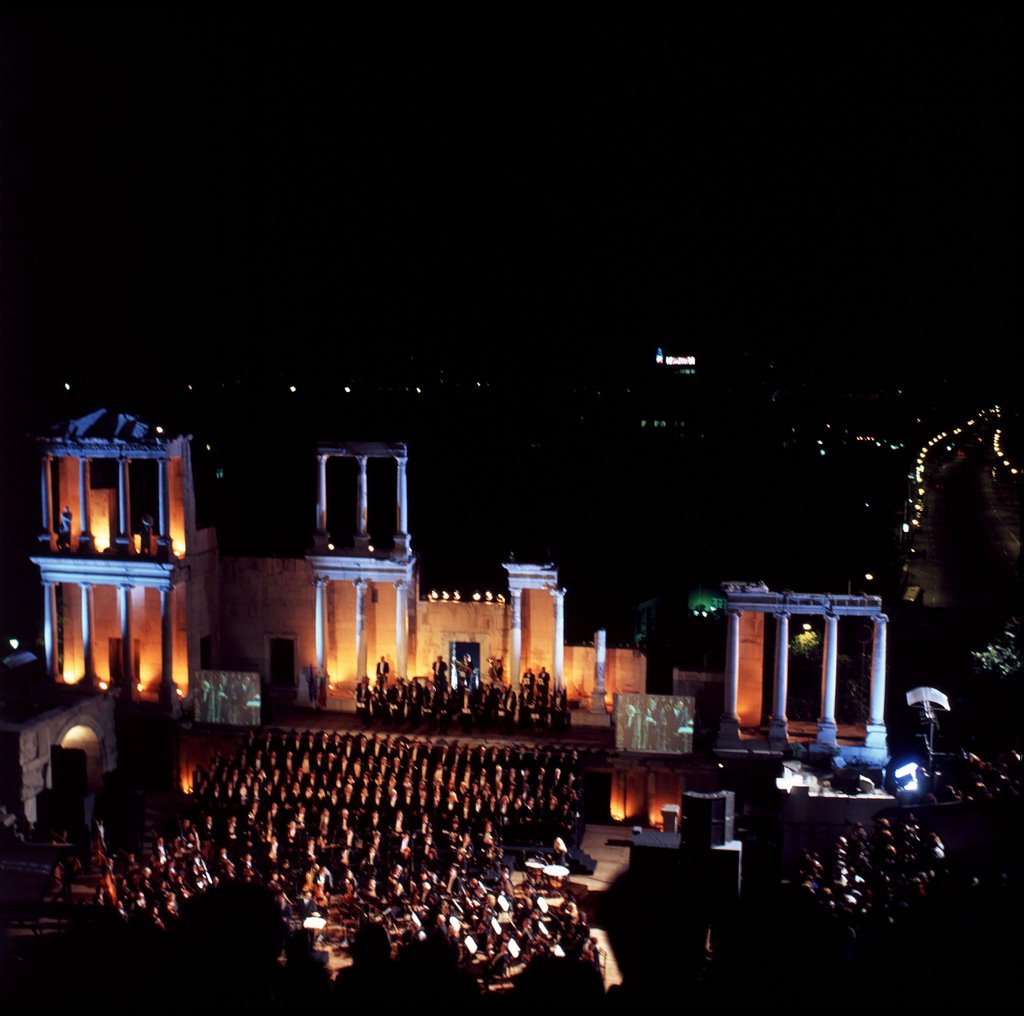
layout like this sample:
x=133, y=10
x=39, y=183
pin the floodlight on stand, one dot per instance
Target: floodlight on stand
x=930, y=702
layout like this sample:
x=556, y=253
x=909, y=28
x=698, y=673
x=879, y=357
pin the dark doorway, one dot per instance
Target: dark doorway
x=205, y=653
x=282, y=663
x=116, y=662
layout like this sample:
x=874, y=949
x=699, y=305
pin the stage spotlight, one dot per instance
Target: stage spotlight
x=906, y=778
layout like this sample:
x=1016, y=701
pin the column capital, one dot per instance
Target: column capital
x=733, y=611
x=126, y=586
x=322, y=457
x=516, y=593
x=85, y=585
x=880, y=619
x=361, y=459
x=401, y=584
x=557, y=593
x=402, y=460
x=782, y=615
x=360, y=584
x=321, y=580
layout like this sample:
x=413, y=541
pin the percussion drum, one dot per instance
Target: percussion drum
x=556, y=875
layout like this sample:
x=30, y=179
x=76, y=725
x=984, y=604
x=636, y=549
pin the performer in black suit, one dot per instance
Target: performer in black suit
x=440, y=669
x=383, y=669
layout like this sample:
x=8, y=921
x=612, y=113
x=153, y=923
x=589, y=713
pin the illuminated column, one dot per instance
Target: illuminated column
x=517, y=634
x=360, y=585
x=50, y=627
x=558, y=649
x=84, y=489
x=321, y=499
x=600, y=656
x=827, y=723
x=124, y=599
x=402, y=508
x=729, y=724
x=362, y=536
x=876, y=733
x=46, y=476
x=320, y=582
x=401, y=628
x=124, y=536
x=778, y=730
x=87, y=647
x=163, y=506
x=168, y=692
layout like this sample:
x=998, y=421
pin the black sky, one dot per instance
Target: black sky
x=207, y=196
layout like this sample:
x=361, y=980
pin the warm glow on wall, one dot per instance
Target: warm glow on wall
x=72, y=678
x=178, y=546
x=101, y=541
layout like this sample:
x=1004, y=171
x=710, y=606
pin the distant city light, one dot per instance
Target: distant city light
x=67, y=386
x=330, y=546
x=370, y=548
x=869, y=576
x=13, y=643
x=292, y=389
x=348, y=391
x=159, y=430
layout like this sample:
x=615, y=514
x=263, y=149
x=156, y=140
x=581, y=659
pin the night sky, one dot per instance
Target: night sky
x=821, y=212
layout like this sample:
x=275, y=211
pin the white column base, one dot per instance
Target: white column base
x=402, y=543
x=778, y=734
x=728, y=732
x=597, y=703
x=877, y=737
x=826, y=733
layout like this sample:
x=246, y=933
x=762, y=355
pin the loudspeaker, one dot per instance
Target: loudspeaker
x=709, y=819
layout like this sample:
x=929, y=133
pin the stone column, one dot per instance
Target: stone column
x=558, y=648
x=876, y=732
x=597, y=704
x=84, y=489
x=88, y=654
x=401, y=628
x=46, y=476
x=778, y=729
x=362, y=536
x=124, y=522
x=50, y=628
x=163, y=507
x=361, y=585
x=517, y=636
x=168, y=691
x=729, y=725
x=322, y=536
x=827, y=722
x=124, y=598
x=320, y=583
x=402, y=508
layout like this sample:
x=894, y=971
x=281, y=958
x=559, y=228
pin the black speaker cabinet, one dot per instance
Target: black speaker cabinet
x=708, y=819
